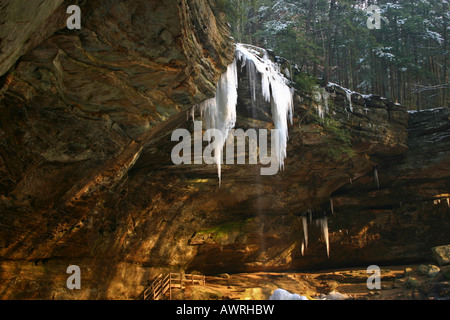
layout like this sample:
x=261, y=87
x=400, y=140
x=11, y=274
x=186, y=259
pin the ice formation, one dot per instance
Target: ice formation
x=321, y=97
x=220, y=112
x=348, y=94
x=275, y=89
x=323, y=225
x=305, y=230
x=349, y=98
x=375, y=174
x=438, y=201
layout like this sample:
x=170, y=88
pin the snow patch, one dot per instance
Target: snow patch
x=426, y=110
x=281, y=294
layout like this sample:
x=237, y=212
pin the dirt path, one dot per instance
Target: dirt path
x=397, y=283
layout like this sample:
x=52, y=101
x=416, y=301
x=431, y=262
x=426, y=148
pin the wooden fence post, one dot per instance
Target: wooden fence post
x=170, y=286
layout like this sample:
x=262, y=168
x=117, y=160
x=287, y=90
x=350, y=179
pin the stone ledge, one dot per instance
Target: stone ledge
x=442, y=255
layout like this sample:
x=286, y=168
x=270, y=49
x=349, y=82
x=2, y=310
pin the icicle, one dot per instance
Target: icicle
x=348, y=94
x=317, y=98
x=349, y=98
x=305, y=230
x=193, y=113
x=274, y=90
x=320, y=223
x=324, y=223
x=251, y=72
x=331, y=205
x=323, y=97
x=320, y=112
x=375, y=173
x=220, y=112
x=448, y=202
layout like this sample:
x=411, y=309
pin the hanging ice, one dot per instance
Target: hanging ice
x=305, y=230
x=321, y=97
x=324, y=223
x=375, y=174
x=220, y=112
x=349, y=98
x=348, y=94
x=275, y=89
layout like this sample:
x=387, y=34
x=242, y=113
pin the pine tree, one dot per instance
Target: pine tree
x=406, y=60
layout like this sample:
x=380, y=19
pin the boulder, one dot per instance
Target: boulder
x=407, y=272
x=433, y=271
x=428, y=270
x=412, y=282
x=442, y=255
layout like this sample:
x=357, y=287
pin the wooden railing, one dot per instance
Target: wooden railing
x=159, y=286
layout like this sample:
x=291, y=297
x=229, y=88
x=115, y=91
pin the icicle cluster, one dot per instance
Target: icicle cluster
x=348, y=94
x=322, y=224
x=220, y=112
x=321, y=97
x=438, y=201
x=275, y=89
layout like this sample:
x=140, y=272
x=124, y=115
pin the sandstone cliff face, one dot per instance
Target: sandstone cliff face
x=80, y=98
x=76, y=106
x=86, y=176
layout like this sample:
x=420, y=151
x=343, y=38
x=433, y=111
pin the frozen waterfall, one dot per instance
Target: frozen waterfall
x=220, y=112
x=274, y=89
